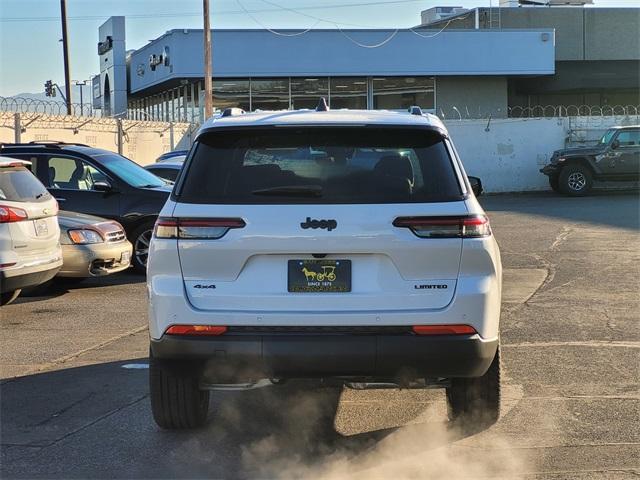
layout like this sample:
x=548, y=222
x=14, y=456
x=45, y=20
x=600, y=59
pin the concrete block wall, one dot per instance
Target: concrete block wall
x=507, y=154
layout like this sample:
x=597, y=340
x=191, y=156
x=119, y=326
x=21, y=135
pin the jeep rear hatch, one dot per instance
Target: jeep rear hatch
x=254, y=204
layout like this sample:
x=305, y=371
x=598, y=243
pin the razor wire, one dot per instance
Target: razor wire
x=539, y=111
x=57, y=112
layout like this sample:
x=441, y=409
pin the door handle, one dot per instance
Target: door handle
x=60, y=199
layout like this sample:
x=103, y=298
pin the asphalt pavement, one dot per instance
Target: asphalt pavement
x=74, y=394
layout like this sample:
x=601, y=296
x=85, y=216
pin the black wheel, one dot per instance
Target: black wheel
x=176, y=399
x=8, y=297
x=575, y=180
x=141, y=239
x=554, y=183
x=474, y=403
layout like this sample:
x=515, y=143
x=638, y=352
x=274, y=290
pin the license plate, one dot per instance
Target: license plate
x=41, y=227
x=125, y=257
x=319, y=276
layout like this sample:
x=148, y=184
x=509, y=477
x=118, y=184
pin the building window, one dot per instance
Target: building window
x=229, y=93
x=399, y=93
x=348, y=92
x=305, y=92
x=270, y=94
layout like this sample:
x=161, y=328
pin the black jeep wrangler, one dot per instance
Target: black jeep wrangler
x=615, y=158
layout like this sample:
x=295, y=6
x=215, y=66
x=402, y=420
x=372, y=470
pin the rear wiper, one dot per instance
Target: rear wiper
x=291, y=191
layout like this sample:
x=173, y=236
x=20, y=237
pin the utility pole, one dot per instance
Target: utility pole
x=208, y=81
x=65, y=53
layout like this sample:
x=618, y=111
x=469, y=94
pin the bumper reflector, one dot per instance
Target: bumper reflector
x=444, y=330
x=195, y=330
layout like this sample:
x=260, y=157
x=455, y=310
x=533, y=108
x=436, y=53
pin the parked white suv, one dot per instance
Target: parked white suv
x=29, y=234
x=341, y=245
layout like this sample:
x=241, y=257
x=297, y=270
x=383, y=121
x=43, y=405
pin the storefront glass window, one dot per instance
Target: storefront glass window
x=228, y=92
x=306, y=92
x=270, y=94
x=348, y=92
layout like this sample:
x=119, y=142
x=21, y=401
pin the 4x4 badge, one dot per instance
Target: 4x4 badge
x=327, y=224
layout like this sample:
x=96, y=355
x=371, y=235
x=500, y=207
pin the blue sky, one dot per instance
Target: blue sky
x=30, y=51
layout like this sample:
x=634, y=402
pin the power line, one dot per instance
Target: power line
x=314, y=17
x=446, y=25
x=198, y=14
x=255, y=19
x=351, y=39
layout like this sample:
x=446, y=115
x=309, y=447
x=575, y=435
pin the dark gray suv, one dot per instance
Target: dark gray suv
x=616, y=157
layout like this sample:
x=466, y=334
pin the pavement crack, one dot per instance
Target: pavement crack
x=551, y=267
x=610, y=325
x=65, y=358
x=93, y=422
x=65, y=409
x=561, y=237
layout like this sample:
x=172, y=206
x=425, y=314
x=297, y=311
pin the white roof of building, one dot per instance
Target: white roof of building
x=331, y=117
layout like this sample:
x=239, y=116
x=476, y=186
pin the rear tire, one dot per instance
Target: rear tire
x=575, y=180
x=176, y=399
x=474, y=403
x=7, y=297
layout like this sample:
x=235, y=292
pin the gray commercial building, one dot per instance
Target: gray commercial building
x=460, y=64
x=597, y=53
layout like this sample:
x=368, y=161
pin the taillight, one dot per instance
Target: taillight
x=195, y=330
x=195, y=228
x=444, y=330
x=446, y=227
x=12, y=214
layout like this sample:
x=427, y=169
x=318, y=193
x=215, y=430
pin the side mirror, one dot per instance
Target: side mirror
x=102, y=186
x=615, y=144
x=476, y=185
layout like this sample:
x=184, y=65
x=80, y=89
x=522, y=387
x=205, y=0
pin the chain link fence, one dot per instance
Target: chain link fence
x=24, y=120
x=142, y=141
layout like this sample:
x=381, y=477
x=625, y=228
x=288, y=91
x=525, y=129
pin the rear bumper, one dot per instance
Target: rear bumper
x=234, y=358
x=24, y=280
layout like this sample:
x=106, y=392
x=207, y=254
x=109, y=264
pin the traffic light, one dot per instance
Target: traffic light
x=49, y=91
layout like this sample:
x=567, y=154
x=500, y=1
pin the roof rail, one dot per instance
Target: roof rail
x=230, y=112
x=43, y=143
x=322, y=105
x=415, y=110
x=56, y=142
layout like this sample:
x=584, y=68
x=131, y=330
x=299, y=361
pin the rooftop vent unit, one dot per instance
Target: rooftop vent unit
x=435, y=14
x=545, y=3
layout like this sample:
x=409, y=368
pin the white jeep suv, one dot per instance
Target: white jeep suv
x=29, y=234
x=344, y=245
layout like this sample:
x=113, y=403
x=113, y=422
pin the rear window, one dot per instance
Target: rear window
x=17, y=184
x=320, y=166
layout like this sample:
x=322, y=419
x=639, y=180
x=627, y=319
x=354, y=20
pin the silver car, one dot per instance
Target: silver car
x=92, y=246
